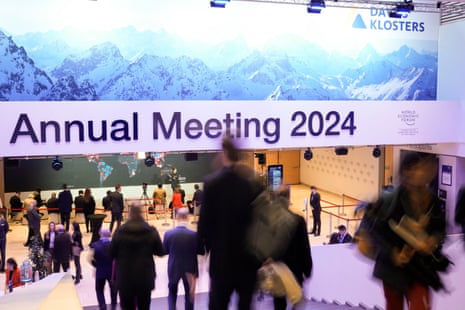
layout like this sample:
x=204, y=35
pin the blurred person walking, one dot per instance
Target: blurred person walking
x=224, y=218
x=298, y=256
x=133, y=246
x=408, y=230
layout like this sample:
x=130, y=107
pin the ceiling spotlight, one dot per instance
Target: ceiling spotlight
x=149, y=161
x=219, y=3
x=341, y=151
x=57, y=164
x=402, y=10
x=308, y=154
x=315, y=6
x=376, y=152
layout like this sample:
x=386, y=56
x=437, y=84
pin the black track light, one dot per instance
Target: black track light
x=57, y=164
x=308, y=154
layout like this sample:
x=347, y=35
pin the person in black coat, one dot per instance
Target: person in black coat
x=33, y=219
x=62, y=250
x=298, y=256
x=117, y=207
x=133, y=246
x=77, y=248
x=52, y=204
x=224, y=217
x=341, y=236
x=316, y=210
x=106, y=201
x=65, y=205
x=406, y=263
x=89, y=208
x=103, y=263
x=15, y=205
x=79, y=202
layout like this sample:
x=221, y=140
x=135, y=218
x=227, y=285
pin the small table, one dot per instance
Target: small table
x=96, y=221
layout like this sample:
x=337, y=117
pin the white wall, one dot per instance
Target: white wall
x=451, y=65
x=356, y=174
x=333, y=281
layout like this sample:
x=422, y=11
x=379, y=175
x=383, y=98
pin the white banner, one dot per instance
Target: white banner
x=60, y=128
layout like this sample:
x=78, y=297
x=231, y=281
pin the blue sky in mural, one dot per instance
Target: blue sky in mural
x=185, y=50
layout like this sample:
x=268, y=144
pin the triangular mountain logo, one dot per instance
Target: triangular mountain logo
x=359, y=23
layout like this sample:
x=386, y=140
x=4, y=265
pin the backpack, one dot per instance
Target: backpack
x=271, y=229
x=373, y=212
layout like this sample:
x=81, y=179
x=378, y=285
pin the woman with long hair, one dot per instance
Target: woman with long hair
x=89, y=208
x=77, y=249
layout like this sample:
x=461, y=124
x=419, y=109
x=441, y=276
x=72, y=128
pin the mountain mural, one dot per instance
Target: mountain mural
x=20, y=79
x=163, y=67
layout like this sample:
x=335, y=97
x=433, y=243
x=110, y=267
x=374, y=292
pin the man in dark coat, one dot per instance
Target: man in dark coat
x=79, y=202
x=103, y=263
x=33, y=219
x=15, y=205
x=52, y=204
x=341, y=236
x=181, y=245
x=316, y=211
x=224, y=217
x=65, y=204
x=106, y=201
x=62, y=249
x=298, y=256
x=133, y=246
x=117, y=207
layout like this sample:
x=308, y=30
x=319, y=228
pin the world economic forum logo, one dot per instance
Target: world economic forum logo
x=379, y=20
x=408, y=119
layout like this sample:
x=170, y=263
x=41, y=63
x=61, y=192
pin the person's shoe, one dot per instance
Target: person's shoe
x=2, y=270
x=76, y=281
x=73, y=277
